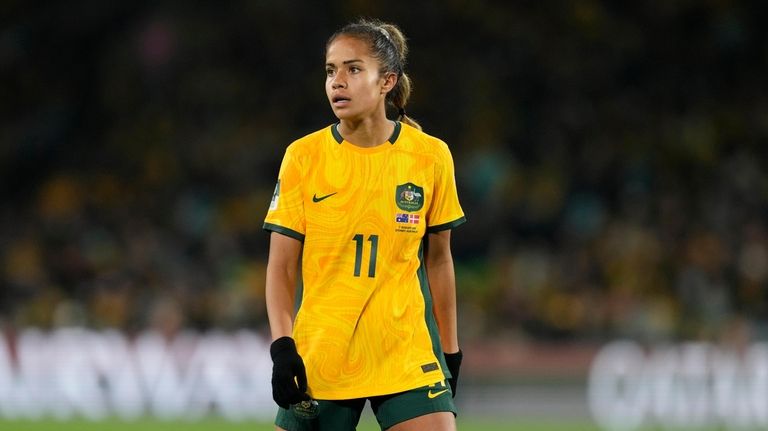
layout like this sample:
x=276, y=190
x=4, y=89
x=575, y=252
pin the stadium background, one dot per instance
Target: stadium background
x=610, y=158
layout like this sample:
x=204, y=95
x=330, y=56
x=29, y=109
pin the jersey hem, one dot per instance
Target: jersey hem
x=284, y=230
x=323, y=395
x=446, y=226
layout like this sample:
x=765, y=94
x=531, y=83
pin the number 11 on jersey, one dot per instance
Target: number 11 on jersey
x=359, y=242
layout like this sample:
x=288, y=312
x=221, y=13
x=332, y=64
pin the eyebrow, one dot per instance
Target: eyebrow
x=356, y=60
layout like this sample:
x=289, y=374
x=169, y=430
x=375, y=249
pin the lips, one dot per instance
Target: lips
x=340, y=101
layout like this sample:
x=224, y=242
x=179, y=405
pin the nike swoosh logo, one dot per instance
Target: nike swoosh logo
x=436, y=394
x=318, y=199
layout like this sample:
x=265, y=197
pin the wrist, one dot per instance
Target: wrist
x=457, y=354
x=449, y=343
x=453, y=360
x=281, y=345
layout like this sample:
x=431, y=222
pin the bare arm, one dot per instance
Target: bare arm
x=282, y=270
x=442, y=284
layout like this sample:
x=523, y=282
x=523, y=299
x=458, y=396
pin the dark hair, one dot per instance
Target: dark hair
x=387, y=44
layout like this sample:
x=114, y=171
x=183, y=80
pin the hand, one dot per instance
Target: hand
x=453, y=361
x=289, y=378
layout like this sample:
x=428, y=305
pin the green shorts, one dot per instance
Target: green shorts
x=343, y=415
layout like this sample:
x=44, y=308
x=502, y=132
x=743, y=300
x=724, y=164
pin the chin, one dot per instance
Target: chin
x=343, y=115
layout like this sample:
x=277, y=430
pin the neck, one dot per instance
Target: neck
x=368, y=132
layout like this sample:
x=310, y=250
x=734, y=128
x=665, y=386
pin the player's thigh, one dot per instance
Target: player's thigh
x=440, y=421
x=428, y=407
x=333, y=415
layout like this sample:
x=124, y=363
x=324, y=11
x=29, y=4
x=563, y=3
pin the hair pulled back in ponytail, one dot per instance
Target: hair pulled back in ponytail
x=388, y=45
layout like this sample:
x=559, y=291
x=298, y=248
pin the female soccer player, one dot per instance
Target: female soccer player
x=367, y=206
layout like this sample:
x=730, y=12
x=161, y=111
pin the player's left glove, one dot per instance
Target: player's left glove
x=453, y=360
x=289, y=378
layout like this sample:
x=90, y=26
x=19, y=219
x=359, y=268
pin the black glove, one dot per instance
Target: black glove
x=453, y=360
x=287, y=371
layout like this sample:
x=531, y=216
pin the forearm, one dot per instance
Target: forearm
x=442, y=284
x=280, y=298
x=282, y=270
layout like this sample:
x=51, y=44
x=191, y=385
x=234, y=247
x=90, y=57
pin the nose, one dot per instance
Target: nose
x=338, y=81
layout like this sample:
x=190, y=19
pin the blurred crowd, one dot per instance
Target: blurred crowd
x=611, y=160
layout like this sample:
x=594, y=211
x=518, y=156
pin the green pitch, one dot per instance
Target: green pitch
x=367, y=424
x=218, y=425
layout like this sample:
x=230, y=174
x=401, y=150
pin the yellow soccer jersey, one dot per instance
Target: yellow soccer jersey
x=365, y=325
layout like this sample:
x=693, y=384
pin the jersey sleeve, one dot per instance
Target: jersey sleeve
x=445, y=211
x=286, y=210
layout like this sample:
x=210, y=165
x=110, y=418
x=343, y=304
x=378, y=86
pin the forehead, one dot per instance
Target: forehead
x=345, y=48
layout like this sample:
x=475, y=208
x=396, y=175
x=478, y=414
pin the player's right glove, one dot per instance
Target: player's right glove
x=453, y=360
x=289, y=378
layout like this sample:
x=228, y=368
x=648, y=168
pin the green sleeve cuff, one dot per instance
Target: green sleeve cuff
x=284, y=230
x=445, y=226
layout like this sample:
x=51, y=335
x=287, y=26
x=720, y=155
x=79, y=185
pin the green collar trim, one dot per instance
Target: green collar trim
x=395, y=133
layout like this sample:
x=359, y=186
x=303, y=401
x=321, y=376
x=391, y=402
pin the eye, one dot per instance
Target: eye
x=354, y=69
x=329, y=72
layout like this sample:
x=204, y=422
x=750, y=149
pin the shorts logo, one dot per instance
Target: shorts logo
x=431, y=394
x=409, y=197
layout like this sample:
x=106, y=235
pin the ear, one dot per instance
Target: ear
x=388, y=82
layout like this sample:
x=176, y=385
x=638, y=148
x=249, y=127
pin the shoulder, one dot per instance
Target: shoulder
x=419, y=141
x=308, y=144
